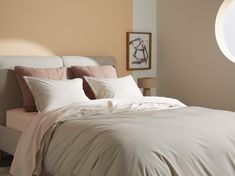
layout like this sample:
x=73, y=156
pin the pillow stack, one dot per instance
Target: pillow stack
x=45, y=73
x=50, y=88
x=106, y=71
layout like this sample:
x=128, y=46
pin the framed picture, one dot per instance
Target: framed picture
x=138, y=50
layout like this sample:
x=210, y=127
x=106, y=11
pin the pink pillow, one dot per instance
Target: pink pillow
x=47, y=73
x=106, y=71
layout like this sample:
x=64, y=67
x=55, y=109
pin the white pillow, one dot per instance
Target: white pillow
x=53, y=94
x=124, y=87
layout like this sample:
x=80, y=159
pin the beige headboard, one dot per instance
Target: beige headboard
x=10, y=95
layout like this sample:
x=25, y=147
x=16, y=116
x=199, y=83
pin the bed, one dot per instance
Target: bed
x=10, y=95
x=144, y=136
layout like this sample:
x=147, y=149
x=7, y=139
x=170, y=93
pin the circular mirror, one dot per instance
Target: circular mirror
x=225, y=29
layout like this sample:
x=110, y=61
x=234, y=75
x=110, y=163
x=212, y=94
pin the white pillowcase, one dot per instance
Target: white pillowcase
x=53, y=94
x=124, y=87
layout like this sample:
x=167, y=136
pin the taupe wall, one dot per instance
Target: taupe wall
x=191, y=67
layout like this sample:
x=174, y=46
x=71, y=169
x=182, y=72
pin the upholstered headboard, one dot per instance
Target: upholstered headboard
x=10, y=95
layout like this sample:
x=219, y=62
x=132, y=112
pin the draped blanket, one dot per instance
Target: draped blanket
x=151, y=136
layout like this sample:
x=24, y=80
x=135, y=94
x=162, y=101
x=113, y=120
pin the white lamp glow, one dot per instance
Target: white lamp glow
x=225, y=29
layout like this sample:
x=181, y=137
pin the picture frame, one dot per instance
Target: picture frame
x=138, y=50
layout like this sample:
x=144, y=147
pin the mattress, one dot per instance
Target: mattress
x=18, y=119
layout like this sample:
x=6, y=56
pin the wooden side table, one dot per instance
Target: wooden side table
x=147, y=83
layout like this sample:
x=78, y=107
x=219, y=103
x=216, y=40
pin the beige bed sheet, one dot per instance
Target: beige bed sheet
x=18, y=119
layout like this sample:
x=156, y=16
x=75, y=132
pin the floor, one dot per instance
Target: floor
x=4, y=171
x=5, y=163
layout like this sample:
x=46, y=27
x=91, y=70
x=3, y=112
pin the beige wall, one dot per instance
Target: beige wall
x=144, y=19
x=60, y=27
x=190, y=65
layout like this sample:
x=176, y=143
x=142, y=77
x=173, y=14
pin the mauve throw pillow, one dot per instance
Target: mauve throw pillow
x=106, y=71
x=46, y=73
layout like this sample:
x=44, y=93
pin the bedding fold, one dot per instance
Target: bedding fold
x=144, y=137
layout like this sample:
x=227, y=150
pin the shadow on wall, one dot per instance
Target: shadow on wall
x=21, y=47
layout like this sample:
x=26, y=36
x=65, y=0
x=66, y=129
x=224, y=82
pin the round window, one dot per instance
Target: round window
x=225, y=29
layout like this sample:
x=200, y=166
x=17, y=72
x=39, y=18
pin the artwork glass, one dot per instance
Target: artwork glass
x=138, y=50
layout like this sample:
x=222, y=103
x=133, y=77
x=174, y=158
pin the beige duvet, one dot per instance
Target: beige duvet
x=149, y=137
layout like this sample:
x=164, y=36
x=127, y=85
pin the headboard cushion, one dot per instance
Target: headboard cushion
x=10, y=95
x=9, y=62
x=88, y=61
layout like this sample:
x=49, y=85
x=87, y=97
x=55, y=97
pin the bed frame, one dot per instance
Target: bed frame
x=10, y=95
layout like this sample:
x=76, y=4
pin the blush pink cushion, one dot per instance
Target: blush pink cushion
x=46, y=73
x=106, y=71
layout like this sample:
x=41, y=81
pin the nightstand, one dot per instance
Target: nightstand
x=147, y=83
